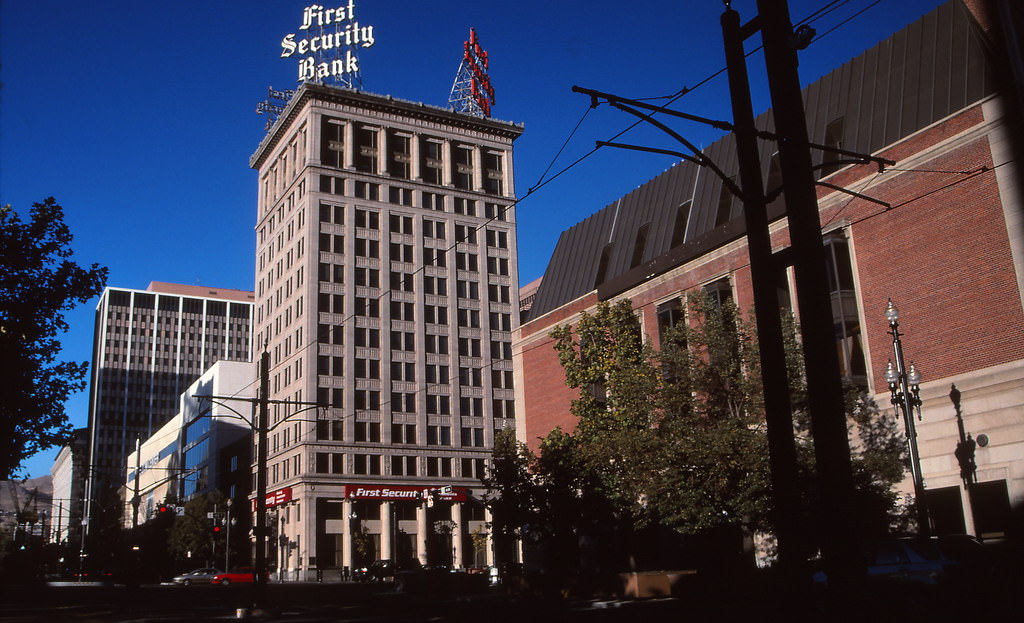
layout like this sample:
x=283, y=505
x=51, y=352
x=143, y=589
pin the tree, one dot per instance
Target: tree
x=37, y=284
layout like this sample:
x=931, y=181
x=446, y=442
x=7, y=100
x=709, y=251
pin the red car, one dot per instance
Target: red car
x=240, y=575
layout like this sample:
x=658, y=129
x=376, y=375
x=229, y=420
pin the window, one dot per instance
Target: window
x=470, y=377
x=366, y=464
x=470, y=406
x=437, y=374
x=332, y=143
x=438, y=405
x=401, y=282
x=368, y=432
x=439, y=466
x=367, y=399
x=843, y=291
x=497, y=266
x=435, y=314
x=469, y=347
x=369, y=338
x=495, y=212
x=502, y=379
x=368, y=277
x=504, y=408
x=436, y=344
x=468, y=289
x=367, y=219
x=434, y=257
x=493, y=174
x=602, y=266
x=401, y=340
x=367, y=190
x=433, y=201
x=400, y=224
x=403, y=371
x=369, y=307
x=834, y=140
x=465, y=233
x=367, y=248
x=433, y=229
x=669, y=314
x=497, y=239
x=501, y=322
x=466, y=261
x=679, y=227
x=402, y=311
x=332, y=214
x=725, y=198
x=639, y=245
x=720, y=291
x=465, y=206
x=469, y=318
x=365, y=157
x=462, y=169
x=472, y=437
x=435, y=285
x=329, y=430
x=403, y=465
x=439, y=436
x=501, y=350
x=329, y=462
x=431, y=160
x=403, y=433
x=403, y=402
x=401, y=252
x=498, y=293
x=473, y=468
x=400, y=196
x=367, y=368
x=400, y=155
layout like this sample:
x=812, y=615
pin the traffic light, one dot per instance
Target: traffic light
x=164, y=510
x=216, y=529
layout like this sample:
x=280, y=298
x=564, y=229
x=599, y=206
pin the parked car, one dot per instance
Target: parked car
x=914, y=560
x=196, y=576
x=385, y=570
x=239, y=575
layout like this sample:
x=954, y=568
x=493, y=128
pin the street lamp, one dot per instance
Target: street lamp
x=904, y=387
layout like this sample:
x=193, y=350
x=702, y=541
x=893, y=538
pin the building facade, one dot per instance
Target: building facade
x=149, y=346
x=946, y=244
x=205, y=447
x=386, y=292
x=68, y=474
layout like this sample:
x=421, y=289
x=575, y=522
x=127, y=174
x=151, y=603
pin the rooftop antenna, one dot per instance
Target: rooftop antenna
x=472, y=92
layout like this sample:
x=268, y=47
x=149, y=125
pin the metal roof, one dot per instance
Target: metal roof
x=921, y=74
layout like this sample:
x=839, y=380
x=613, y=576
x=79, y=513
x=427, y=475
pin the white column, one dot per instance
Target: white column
x=386, y=530
x=346, y=534
x=421, y=533
x=490, y=537
x=457, y=532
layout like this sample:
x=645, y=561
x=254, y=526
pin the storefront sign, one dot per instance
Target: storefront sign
x=324, y=46
x=445, y=493
x=276, y=498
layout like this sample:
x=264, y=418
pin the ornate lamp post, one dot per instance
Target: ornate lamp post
x=904, y=387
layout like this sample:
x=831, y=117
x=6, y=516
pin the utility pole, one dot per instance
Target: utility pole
x=262, y=412
x=837, y=514
x=765, y=275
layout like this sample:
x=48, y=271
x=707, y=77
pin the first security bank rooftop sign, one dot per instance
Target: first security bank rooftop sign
x=324, y=47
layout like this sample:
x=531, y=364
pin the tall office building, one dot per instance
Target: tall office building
x=149, y=346
x=386, y=291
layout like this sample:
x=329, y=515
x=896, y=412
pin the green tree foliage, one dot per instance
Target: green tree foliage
x=191, y=536
x=38, y=282
x=674, y=438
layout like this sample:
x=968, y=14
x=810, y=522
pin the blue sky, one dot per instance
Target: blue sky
x=140, y=117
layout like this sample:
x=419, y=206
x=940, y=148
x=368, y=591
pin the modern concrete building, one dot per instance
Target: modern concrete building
x=206, y=446
x=387, y=292
x=943, y=99
x=149, y=346
x=68, y=504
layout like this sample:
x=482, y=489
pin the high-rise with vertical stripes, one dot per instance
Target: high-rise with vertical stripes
x=149, y=346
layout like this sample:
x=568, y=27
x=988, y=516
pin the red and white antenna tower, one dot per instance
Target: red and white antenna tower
x=472, y=92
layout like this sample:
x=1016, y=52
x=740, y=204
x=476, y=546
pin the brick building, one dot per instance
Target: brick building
x=939, y=98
